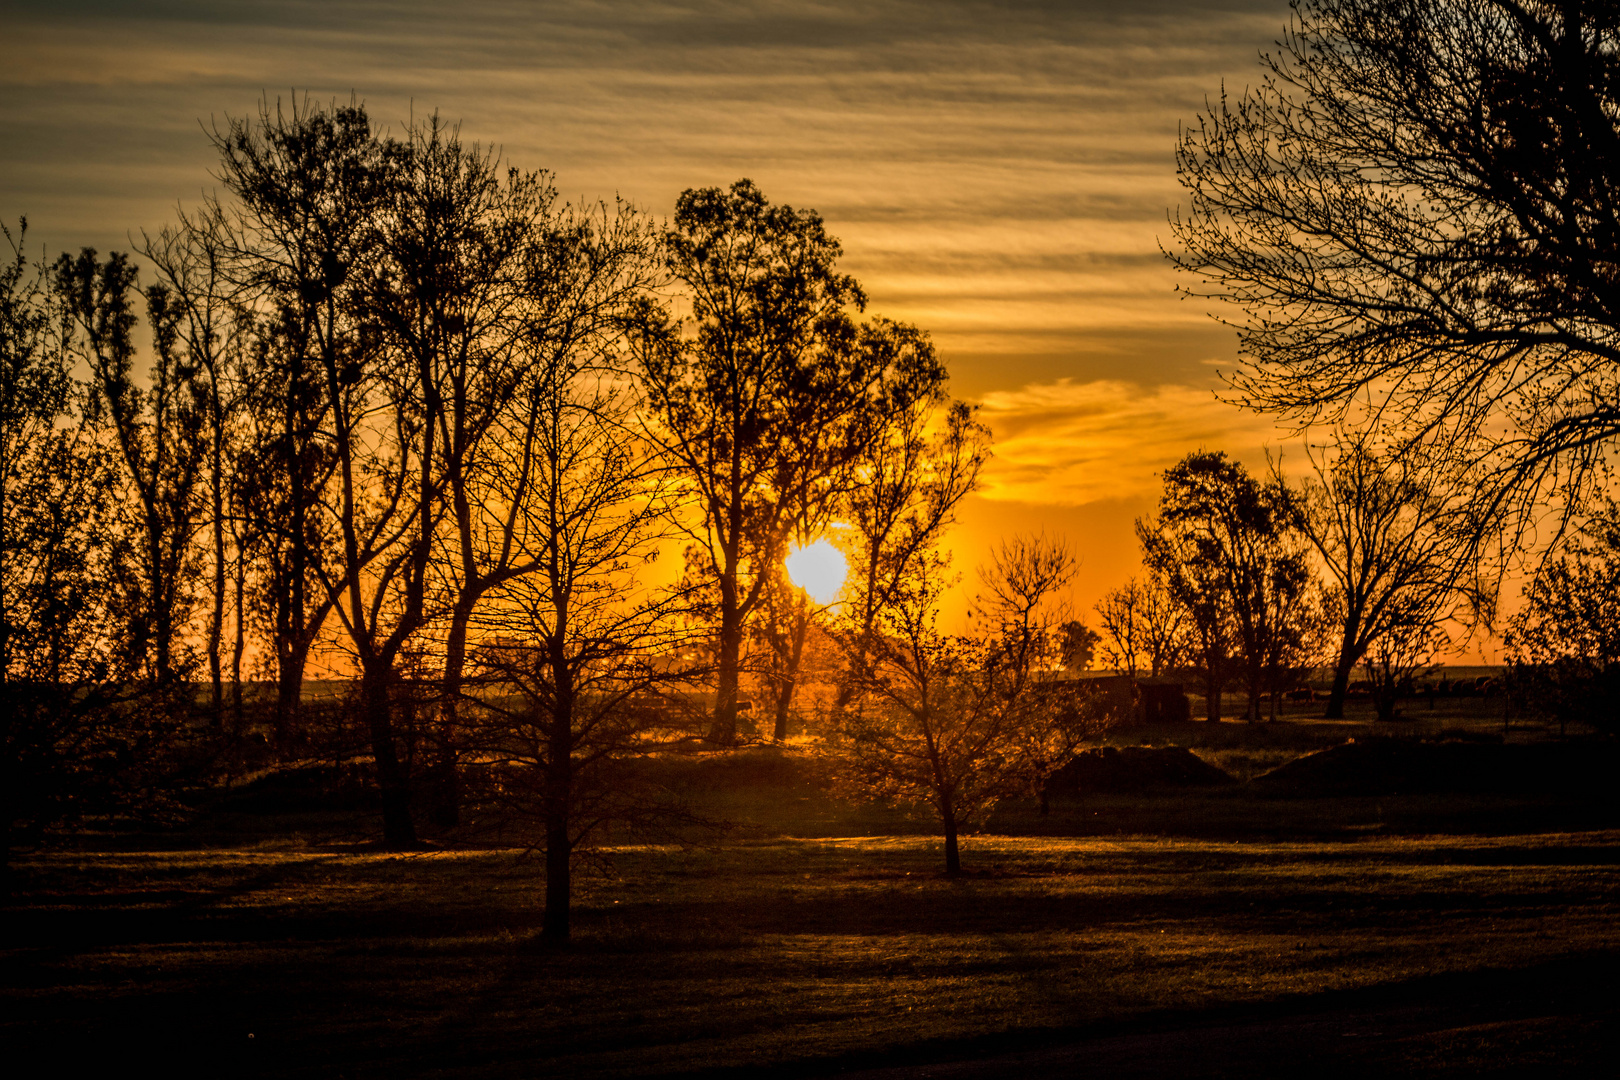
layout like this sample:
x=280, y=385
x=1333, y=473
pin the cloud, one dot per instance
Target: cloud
x=999, y=174
x=1070, y=443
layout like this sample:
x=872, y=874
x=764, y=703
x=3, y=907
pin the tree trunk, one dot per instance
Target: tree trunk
x=444, y=778
x=554, y=926
x=216, y=620
x=239, y=645
x=399, y=831
x=723, y=729
x=1341, y=675
x=953, y=858
x=289, y=694
x=790, y=681
x=1212, y=694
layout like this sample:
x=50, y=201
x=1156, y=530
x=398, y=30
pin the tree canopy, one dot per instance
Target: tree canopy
x=1417, y=214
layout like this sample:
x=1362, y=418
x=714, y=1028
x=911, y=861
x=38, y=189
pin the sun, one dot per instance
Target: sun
x=818, y=569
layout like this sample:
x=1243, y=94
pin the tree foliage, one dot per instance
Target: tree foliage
x=1565, y=642
x=769, y=391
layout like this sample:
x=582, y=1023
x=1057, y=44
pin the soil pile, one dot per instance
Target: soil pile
x=1379, y=766
x=1134, y=768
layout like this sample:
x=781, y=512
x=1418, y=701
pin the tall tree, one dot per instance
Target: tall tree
x=158, y=431
x=575, y=644
x=458, y=250
x=80, y=722
x=1417, y=205
x=769, y=390
x=314, y=188
x=192, y=263
x=307, y=184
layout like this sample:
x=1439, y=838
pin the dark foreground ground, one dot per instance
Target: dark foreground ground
x=1223, y=931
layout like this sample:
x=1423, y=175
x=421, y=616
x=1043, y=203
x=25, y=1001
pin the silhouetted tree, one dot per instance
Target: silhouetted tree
x=576, y=646
x=158, y=432
x=314, y=189
x=80, y=720
x=1407, y=646
x=772, y=391
x=461, y=253
x=960, y=722
x=1416, y=207
x=1565, y=642
x=911, y=479
x=1119, y=611
x=1223, y=542
x=1384, y=525
x=192, y=260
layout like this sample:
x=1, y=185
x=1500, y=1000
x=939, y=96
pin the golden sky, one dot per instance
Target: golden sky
x=999, y=173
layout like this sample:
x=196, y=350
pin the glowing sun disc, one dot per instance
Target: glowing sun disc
x=818, y=569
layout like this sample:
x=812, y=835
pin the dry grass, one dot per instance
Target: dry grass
x=756, y=953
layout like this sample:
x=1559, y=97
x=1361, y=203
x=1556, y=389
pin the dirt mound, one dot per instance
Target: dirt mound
x=1134, y=768
x=1378, y=766
x=303, y=788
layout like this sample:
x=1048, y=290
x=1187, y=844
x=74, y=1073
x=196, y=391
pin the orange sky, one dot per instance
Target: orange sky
x=999, y=174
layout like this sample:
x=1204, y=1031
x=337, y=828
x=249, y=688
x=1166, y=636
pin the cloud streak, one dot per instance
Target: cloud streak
x=1069, y=443
x=999, y=173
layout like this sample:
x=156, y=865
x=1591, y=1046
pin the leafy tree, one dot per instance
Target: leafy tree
x=157, y=432
x=1223, y=542
x=769, y=391
x=80, y=723
x=1565, y=642
x=1415, y=213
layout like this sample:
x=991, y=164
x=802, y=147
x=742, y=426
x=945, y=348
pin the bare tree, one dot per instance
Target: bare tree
x=313, y=189
x=1385, y=527
x=930, y=726
x=1120, y=611
x=1408, y=645
x=307, y=184
x=1416, y=205
x=463, y=252
x=192, y=260
x=576, y=646
x=912, y=478
x=960, y=722
x=577, y=294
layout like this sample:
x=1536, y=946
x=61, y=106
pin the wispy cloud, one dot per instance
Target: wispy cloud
x=1071, y=443
x=999, y=173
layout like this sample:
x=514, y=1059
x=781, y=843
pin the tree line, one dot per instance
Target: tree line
x=402, y=403
x=407, y=410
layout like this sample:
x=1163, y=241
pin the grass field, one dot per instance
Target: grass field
x=816, y=937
